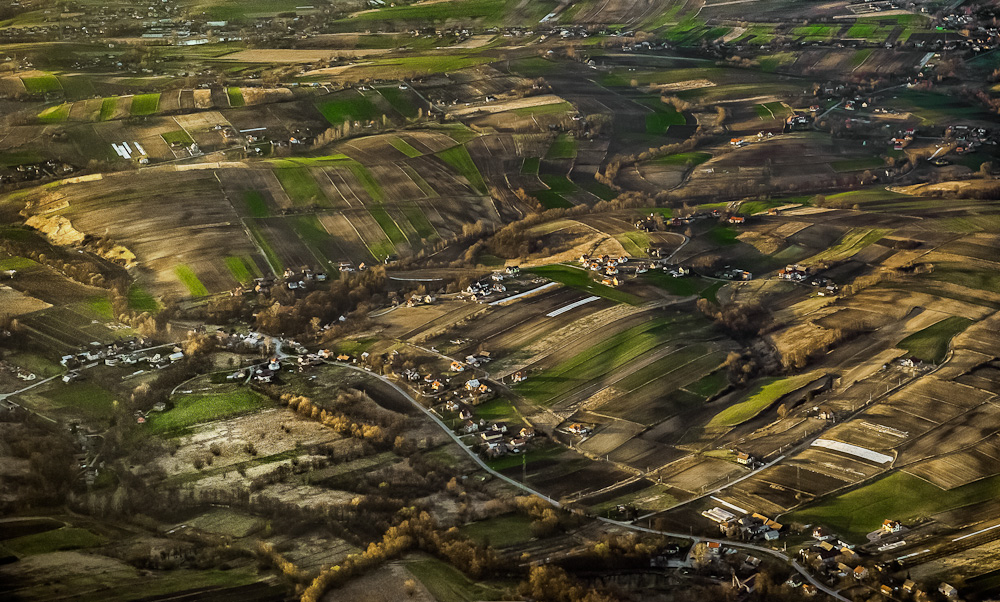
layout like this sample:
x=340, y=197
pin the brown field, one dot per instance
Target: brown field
x=16, y=303
x=256, y=96
x=170, y=101
x=284, y=55
x=203, y=99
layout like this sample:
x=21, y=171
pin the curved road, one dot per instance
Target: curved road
x=475, y=457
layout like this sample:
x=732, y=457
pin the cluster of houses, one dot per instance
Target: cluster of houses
x=734, y=274
x=482, y=289
x=604, y=265
x=17, y=371
x=124, y=351
x=795, y=273
x=750, y=526
x=497, y=438
x=293, y=280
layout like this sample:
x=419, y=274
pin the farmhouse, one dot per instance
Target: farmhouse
x=860, y=572
x=891, y=526
x=737, y=219
x=744, y=458
x=470, y=426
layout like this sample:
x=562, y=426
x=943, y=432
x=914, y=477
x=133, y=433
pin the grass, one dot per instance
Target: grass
x=192, y=409
x=898, y=496
x=563, y=147
x=849, y=245
x=388, y=225
x=178, y=136
x=235, y=97
x=857, y=164
x=300, y=185
x=601, y=191
x=598, y=360
x=682, y=159
x=497, y=409
x=255, y=203
x=634, y=243
x=404, y=147
x=17, y=263
x=500, y=532
x=265, y=246
x=931, y=343
x=145, y=104
x=108, y=106
x=100, y=307
x=353, y=107
x=458, y=157
x=424, y=228
x=401, y=101
x=682, y=287
x=56, y=114
x=41, y=84
x=239, y=270
x=368, y=181
x=580, y=279
x=551, y=199
x=723, y=235
x=447, y=584
x=66, y=538
x=759, y=399
x=187, y=276
x=549, y=109
x=139, y=299
x=87, y=397
x=709, y=385
x=530, y=165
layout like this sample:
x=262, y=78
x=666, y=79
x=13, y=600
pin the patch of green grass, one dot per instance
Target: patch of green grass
x=388, y=225
x=605, y=356
x=266, y=248
x=755, y=207
x=497, y=409
x=178, y=136
x=39, y=365
x=448, y=584
x=100, y=306
x=580, y=279
x=551, y=199
x=857, y=164
x=192, y=409
x=711, y=293
x=549, y=109
x=351, y=106
x=145, y=104
x=634, y=243
x=723, y=235
x=77, y=87
x=235, y=97
x=139, y=299
x=563, y=147
x=402, y=101
x=898, y=496
x=187, y=276
x=458, y=157
x=709, y=385
x=931, y=343
x=684, y=286
x=368, y=181
x=530, y=165
x=238, y=269
x=683, y=159
x=256, y=203
x=66, y=538
x=108, y=106
x=500, y=532
x=404, y=147
x=86, y=397
x=419, y=181
x=424, y=228
x=849, y=245
x=17, y=263
x=41, y=84
x=56, y=114
x=300, y=186
x=759, y=399
x=10, y=159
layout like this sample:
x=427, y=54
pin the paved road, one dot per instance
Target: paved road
x=475, y=457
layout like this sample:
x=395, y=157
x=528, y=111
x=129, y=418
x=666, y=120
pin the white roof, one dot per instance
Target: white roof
x=853, y=450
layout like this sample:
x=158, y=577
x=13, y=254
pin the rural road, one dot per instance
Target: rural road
x=475, y=457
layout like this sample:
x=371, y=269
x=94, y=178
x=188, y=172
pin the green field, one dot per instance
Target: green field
x=551, y=199
x=368, y=181
x=634, y=243
x=388, y=225
x=235, y=97
x=709, y=385
x=139, y=299
x=401, y=101
x=41, y=84
x=500, y=532
x=857, y=164
x=187, y=276
x=530, y=165
x=458, y=157
x=301, y=186
x=580, y=279
x=77, y=87
x=723, y=235
x=549, y=109
x=448, y=584
x=145, y=104
x=760, y=398
x=17, y=263
x=87, y=397
x=66, y=538
x=849, y=245
x=178, y=136
x=931, y=343
x=108, y=106
x=404, y=147
x=265, y=246
x=56, y=114
x=203, y=407
x=584, y=367
x=425, y=229
x=898, y=496
x=256, y=203
x=684, y=286
x=353, y=106
x=239, y=270
x=683, y=159
x=563, y=147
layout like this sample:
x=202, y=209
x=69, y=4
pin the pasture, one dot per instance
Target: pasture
x=761, y=397
x=189, y=410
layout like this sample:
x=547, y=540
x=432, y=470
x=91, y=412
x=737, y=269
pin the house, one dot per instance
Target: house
x=473, y=384
x=737, y=219
x=714, y=548
x=518, y=377
x=451, y=405
x=526, y=432
x=465, y=414
x=517, y=445
x=513, y=270
x=491, y=438
x=343, y=357
x=457, y=367
x=437, y=385
x=891, y=526
x=860, y=572
x=470, y=426
x=578, y=429
x=771, y=535
x=744, y=458
x=948, y=591
x=909, y=586
x=264, y=375
x=885, y=590
x=159, y=406
x=176, y=356
x=273, y=365
x=822, y=534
